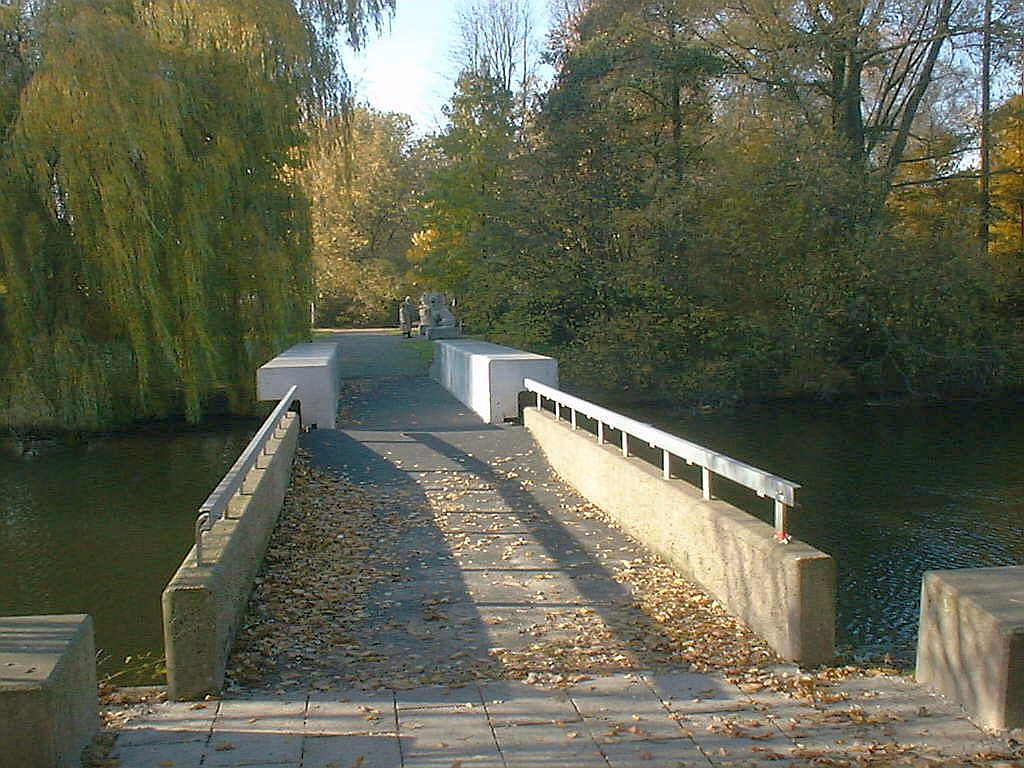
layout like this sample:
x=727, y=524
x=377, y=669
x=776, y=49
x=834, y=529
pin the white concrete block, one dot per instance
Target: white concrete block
x=315, y=368
x=488, y=378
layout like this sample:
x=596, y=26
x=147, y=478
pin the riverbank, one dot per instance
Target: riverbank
x=29, y=442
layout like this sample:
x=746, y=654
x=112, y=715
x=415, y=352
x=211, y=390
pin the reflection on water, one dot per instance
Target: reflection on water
x=99, y=528
x=888, y=491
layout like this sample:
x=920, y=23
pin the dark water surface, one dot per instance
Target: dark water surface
x=889, y=491
x=100, y=528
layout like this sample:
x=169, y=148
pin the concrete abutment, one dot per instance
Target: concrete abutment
x=48, y=701
x=971, y=641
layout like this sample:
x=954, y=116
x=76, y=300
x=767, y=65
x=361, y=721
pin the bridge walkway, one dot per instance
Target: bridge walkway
x=435, y=597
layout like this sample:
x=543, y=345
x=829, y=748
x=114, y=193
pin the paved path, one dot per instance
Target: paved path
x=554, y=639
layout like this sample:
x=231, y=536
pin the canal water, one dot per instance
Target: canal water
x=100, y=527
x=888, y=490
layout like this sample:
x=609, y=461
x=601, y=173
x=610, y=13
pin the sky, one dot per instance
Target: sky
x=410, y=67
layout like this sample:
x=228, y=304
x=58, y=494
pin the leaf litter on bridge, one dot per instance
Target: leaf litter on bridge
x=330, y=612
x=337, y=549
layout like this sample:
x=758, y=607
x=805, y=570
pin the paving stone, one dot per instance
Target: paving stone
x=667, y=753
x=945, y=735
x=692, y=692
x=438, y=696
x=463, y=730
x=512, y=703
x=737, y=736
x=178, y=754
x=141, y=736
x=171, y=721
x=548, y=745
x=489, y=521
x=453, y=759
x=618, y=685
x=244, y=748
x=355, y=751
x=810, y=729
x=622, y=708
x=894, y=709
x=350, y=714
x=263, y=714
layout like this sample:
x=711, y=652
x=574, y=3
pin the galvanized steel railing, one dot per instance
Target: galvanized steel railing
x=216, y=505
x=765, y=484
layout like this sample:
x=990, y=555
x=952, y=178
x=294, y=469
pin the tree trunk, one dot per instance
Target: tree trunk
x=985, y=201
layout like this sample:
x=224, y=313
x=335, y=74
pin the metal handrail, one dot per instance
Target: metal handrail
x=765, y=484
x=216, y=505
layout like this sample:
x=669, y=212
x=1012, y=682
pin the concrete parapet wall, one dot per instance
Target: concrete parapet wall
x=970, y=645
x=315, y=369
x=48, y=711
x=204, y=604
x=487, y=377
x=785, y=593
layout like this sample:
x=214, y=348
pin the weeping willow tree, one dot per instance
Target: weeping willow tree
x=154, y=241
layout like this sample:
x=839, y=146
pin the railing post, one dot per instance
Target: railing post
x=666, y=464
x=573, y=419
x=540, y=402
x=705, y=482
x=600, y=432
x=625, y=445
x=201, y=522
x=558, y=411
x=781, y=522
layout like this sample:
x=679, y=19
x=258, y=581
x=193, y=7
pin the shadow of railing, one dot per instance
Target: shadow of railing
x=593, y=580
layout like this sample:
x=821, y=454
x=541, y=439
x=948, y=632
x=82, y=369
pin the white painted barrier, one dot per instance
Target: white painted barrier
x=488, y=378
x=315, y=369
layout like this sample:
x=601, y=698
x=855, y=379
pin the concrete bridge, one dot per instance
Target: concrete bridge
x=433, y=595
x=497, y=619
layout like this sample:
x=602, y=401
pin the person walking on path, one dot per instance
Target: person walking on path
x=406, y=316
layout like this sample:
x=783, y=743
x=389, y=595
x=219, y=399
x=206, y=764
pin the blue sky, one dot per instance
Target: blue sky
x=410, y=68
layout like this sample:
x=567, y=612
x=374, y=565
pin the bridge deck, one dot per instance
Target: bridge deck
x=434, y=597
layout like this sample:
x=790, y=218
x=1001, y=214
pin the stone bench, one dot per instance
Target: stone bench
x=315, y=368
x=487, y=377
x=48, y=710
x=971, y=641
